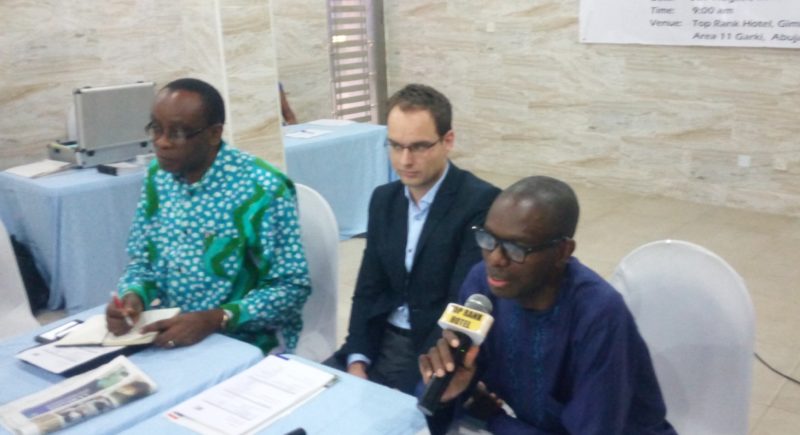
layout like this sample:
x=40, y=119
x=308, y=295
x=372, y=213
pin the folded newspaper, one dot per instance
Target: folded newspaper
x=77, y=399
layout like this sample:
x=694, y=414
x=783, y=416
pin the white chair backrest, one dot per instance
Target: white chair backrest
x=696, y=316
x=320, y=236
x=15, y=311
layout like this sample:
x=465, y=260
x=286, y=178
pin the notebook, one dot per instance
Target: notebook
x=94, y=332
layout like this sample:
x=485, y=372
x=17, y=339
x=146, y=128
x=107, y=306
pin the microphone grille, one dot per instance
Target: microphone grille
x=479, y=302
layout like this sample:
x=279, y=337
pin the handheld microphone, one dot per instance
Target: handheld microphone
x=471, y=323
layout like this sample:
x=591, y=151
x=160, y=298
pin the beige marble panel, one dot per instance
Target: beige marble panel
x=301, y=46
x=528, y=98
x=251, y=78
x=90, y=43
x=49, y=48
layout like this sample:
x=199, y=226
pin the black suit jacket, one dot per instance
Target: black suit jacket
x=445, y=252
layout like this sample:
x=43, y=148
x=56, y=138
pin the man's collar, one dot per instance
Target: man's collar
x=430, y=195
x=213, y=172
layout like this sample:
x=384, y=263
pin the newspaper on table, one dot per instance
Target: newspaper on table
x=77, y=399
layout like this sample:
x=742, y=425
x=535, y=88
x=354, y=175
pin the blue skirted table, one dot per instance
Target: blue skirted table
x=344, y=165
x=76, y=224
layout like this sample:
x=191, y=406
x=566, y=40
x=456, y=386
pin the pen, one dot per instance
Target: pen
x=118, y=304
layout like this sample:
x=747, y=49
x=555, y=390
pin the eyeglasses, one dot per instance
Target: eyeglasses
x=514, y=251
x=414, y=148
x=175, y=136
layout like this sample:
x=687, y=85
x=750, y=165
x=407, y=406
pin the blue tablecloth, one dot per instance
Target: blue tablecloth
x=352, y=406
x=76, y=225
x=344, y=166
x=179, y=373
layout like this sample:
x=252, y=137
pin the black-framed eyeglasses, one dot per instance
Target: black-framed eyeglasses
x=513, y=250
x=414, y=148
x=175, y=136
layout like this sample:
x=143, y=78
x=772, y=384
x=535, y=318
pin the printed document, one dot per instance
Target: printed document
x=252, y=399
x=62, y=359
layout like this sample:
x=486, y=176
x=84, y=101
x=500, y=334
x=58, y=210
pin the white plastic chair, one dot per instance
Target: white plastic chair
x=320, y=236
x=15, y=311
x=696, y=316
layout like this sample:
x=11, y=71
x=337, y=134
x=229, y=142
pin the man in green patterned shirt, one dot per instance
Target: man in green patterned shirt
x=215, y=234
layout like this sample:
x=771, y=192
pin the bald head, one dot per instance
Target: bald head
x=553, y=199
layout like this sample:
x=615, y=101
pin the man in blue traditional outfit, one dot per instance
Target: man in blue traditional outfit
x=215, y=233
x=564, y=353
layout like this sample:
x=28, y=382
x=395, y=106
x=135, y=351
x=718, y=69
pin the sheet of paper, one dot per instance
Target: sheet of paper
x=307, y=133
x=332, y=122
x=94, y=331
x=38, y=169
x=57, y=360
x=251, y=398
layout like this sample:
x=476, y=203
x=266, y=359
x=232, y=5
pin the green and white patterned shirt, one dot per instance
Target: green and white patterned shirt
x=230, y=240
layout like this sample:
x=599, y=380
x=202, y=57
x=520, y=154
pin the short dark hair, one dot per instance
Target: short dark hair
x=421, y=97
x=213, y=103
x=554, y=197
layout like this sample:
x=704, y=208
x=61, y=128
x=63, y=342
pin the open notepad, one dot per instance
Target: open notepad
x=94, y=332
x=253, y=399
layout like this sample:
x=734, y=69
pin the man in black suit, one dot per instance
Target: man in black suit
x=419, y=244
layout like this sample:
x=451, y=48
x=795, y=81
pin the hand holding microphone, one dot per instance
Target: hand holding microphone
x=449, y=366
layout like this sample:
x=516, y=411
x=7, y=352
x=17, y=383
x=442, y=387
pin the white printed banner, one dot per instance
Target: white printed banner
x=721, y=23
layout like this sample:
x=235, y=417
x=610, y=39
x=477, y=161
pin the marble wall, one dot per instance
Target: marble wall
x=251, y=73
x=529, y=99
x=301, y=42
x=50, y=47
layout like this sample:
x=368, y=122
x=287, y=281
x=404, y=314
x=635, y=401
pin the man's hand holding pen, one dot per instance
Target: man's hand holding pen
x=122, y=314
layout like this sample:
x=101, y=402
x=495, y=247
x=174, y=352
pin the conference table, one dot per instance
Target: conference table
x=351, y=405
x=179, y=373
x=76, y=224
x=343, y=162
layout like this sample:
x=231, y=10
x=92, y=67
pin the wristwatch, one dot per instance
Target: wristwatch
x=226, y=316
